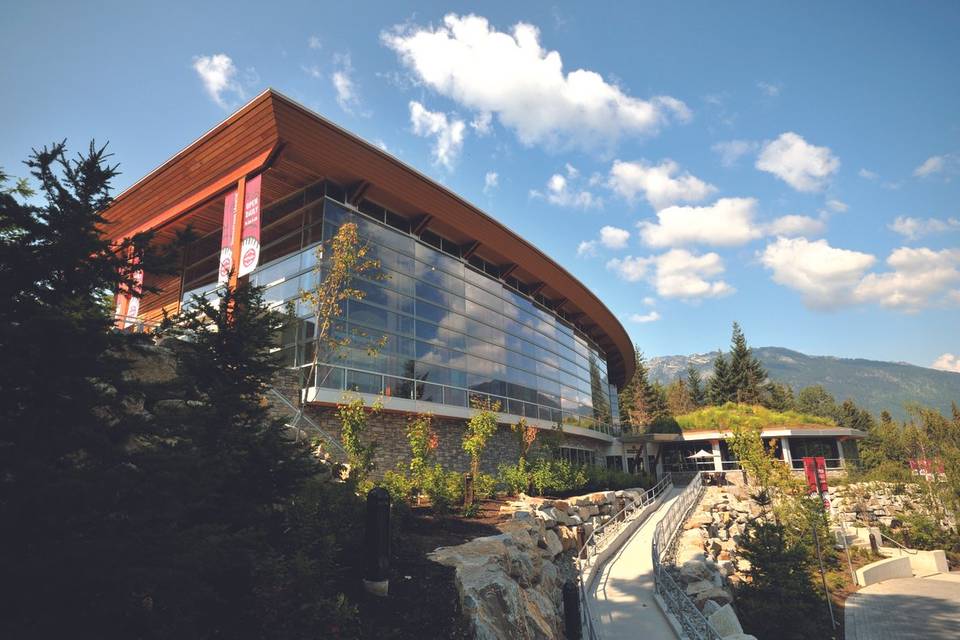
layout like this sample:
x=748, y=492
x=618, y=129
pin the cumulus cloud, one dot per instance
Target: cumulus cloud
x=947, y=362
x=913, y=228
x=610, y=238
x=866, y=174
x=791, y=226
x=726, y=222
x=482, y=123
x=837, y=206
x=662, y=185
x=770, y=90
x=677, y=273
x=343, y=83
x=219, y=77
x=447, y=132
x=511, y=76
x=803, y=166
x=826, y=276
x=731, y=151
x=490, y=182
x=643, y=318
x=561, y=193
x=919, y=277
x=314, y=42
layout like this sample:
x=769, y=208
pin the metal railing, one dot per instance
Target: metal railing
x=133, y=324
x=600, y=538
x=299, y=415
x=407, y=388
x=665, y=540
x=902, y=548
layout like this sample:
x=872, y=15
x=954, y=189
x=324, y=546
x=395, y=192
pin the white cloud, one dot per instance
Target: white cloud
x=649, y=301
x=610, y=238
x=447, y=132
x=560, y=193
x=630, y=268
x=513, y=77
x=913, y=228
x=866, y=174
x=770, y=90
x=381, y=144
x=219, y=77
x=657, y=183
x=653, y=316
x=837, y=206
x=726, y=222
x=482, y=123
x=732, y=150
x=343, y=84
x=676, y=274
x=933, y=165
x=920, y=277
x=793, y=225
x=824, y=275
x=312, y=70
x=803, y=166
x=947, y=362
x=490, y=182
x=314, y=42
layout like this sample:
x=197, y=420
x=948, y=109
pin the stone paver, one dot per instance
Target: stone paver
x=927, y=608
x=621, y=599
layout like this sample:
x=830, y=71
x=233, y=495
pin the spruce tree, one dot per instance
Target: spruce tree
x=695, y=387
x=778, y=396
x=678, y=397
x=640, y=402
x=720, y=387
x=747, y=375
x=817, y=401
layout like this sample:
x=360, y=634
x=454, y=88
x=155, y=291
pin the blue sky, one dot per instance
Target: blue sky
x=795, y=168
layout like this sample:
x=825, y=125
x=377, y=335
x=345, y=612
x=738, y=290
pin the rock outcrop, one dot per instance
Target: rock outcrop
x=510, y=585
x=886, y=503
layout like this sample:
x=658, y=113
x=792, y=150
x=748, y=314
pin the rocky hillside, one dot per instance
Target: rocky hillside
x=872, y=384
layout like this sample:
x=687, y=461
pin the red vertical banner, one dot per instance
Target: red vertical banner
x=226, y=240
x=250, y=240
x=133, y=298
x=810, y=472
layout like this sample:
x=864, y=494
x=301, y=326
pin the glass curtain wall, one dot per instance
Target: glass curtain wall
x=452, y=333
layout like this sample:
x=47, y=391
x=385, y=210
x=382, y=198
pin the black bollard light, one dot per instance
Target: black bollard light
x=467, y=489
x=874, y=547
x=572, y=622
x=376, y=543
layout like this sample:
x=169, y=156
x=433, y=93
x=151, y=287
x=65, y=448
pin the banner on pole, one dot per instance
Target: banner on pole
x=250, y=240
x=226, y=240
x=133, y=304
x=815, y=470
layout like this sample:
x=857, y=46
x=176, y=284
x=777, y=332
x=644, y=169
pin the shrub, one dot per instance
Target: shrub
x=603, y=479
x=557, y=476
x=444, y=488
x=484, y=485
x=516, y=478
x=398, y=485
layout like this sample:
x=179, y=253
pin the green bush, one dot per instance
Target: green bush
x=398, y=485
x=603, y=479
x=443, y=488
x=516, y=478
x=557, y=476
x=484, y=485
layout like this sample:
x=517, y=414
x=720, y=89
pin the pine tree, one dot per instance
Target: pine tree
x=853, y=417
x=816, y=401
x=747, y=375
x=695, y=386
x=778, y=396
x=678, y=398
x=720, y=387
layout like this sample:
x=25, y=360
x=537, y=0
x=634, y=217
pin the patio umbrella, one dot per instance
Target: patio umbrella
x=701, y=455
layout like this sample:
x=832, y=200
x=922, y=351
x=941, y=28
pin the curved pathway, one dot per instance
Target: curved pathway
x=927, y=608
x=621, y=598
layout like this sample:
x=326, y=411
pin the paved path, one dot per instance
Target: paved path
x=927, y=608
x=621, y=599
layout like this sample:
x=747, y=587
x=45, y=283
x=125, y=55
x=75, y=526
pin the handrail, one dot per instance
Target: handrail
x=597, y=544
x=299, y=414
x=912, y=552
x=691, y=619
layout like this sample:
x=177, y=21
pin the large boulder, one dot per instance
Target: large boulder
x=724, y=620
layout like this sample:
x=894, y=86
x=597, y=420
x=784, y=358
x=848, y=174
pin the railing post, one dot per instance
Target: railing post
x=376, y=574
x=582, y=543
x=572, y=620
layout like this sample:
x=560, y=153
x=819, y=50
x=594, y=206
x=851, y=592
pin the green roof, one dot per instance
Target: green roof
x=730, y=415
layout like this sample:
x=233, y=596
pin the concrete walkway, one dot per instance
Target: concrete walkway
x=927, y=608
x=621, y=599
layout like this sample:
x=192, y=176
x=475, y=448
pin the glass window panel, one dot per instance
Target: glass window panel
x=429, y=392
x=363, y=382
x=455, y=397
x=398, y=388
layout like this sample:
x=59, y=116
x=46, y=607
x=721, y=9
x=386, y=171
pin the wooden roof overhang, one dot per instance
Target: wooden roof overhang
x=294, y=147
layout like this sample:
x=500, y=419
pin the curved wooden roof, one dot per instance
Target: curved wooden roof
x=295, y=147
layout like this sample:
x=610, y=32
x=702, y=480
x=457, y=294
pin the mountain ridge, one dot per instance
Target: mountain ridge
x=873, y=384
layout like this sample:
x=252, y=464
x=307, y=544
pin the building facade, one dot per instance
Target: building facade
x=464, y=309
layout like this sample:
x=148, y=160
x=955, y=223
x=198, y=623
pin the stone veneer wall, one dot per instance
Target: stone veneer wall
x=388, y=430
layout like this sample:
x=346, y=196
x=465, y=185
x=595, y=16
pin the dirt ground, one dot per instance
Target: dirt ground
x=423, y=601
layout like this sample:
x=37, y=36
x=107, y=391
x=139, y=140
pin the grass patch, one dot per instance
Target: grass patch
x=732, y=415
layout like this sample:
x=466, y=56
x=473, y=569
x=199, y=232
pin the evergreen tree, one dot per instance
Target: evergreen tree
x=778, y=396
x=780, y=599
x=640, y=402
x=698, y=396
x=720, y=386
x=747, y=375
x=816, y=401
x=853, y=417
